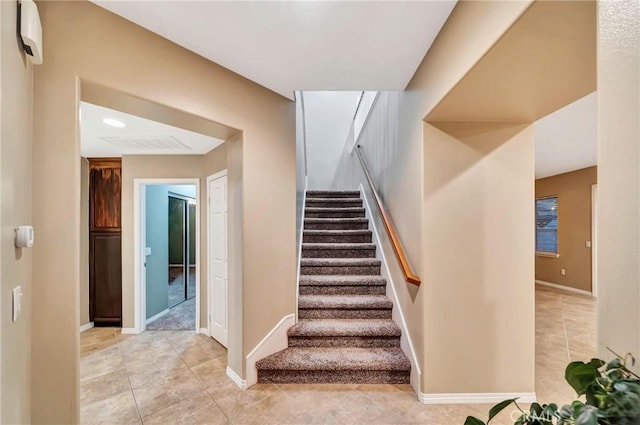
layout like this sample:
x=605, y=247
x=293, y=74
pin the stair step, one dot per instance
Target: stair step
x=333, y=202
x=342, y=285
x=337, y=236
x=336, y=224
x=344, y=307
x=335, y=365
x=333, y=194
x=333, y=328
x=340, y=266
x=315, y=212
x=338, y=250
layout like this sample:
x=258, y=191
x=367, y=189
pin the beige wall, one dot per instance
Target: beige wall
x=16, y=93
x=574, y=228
x=478, y=260
x=84, y=241
x=618, y=228
x=117, y=54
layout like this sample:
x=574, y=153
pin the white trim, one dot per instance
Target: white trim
x=204, y=331
x=304, y=202
x=139, y=296
x=365, y=122
x=474, y=398
x=210, y=179
x=241, y=383
x=397, y=315
x=130, y=331
x=156, y=316
x=563, y=287
x=86, y=327
x=594, y=240
x=276, y=340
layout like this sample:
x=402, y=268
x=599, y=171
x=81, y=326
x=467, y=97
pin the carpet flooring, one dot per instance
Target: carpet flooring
x=182, y=317
x=345, y=334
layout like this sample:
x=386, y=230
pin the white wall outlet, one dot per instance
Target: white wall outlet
x=16, y=302
x=147, y=251
x=563, y=272
x=587, y=244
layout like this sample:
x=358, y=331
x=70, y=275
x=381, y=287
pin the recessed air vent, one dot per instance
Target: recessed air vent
x=141, y=143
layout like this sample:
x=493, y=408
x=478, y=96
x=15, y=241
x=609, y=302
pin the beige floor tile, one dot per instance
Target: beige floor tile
x=119, y=409
x=100, y=362
x=104, y=386
x=197, y=409
x=198, y=354
x=166, y=391
x=234, y=403
x=153, y=368
x=209, y=372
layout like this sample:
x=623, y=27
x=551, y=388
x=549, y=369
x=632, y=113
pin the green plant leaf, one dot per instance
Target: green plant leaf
x=495, y=410
x=582, y=375
x=587, y=415
x=473, y=421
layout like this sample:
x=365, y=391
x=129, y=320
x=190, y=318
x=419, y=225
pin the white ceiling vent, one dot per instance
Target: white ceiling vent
x=145, y=143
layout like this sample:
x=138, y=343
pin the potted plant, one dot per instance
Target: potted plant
x=612, y=397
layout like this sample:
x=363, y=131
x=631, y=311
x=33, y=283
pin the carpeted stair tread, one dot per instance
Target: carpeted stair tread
x=337, y=358
x=331, y=209
x=345, y=302
x=339, y=262
x=341, y=280
x=336, y=220
x=344, y=328
x=337, y=246
x=333, y=194
x=323, y=232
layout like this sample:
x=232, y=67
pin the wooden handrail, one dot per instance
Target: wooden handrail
x=409, y=275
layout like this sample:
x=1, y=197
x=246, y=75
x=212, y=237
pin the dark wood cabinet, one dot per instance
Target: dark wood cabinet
x=105, y=241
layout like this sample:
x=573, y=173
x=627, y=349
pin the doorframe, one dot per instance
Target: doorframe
x=210, y=179
x=594, y=240
x=139, y=239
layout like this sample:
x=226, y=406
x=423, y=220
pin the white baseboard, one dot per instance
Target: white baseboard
x=273, y=342
x=204, y=331
x=474, y=398
x=156, y=316
x=397, y=314
x=564, y=288
x=86, y=327
x=130, y=331
x=241, y=383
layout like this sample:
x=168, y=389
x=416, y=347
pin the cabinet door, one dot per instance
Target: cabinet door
x=105, y=198
x=106, y=278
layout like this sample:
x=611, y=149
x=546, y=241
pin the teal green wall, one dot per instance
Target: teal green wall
x=157, y=233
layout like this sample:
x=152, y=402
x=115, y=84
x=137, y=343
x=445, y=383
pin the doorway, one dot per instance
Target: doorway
x=167, y=254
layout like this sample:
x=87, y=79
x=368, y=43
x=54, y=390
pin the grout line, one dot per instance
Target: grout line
x=133, y=395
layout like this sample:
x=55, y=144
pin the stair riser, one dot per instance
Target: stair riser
x=334, y=313
x=342, y=290
x=337, y=226
x=313, y=194
x=358, y=238
x=334, y=214
x=333, y=377
x=348, y=341
x=347, y=270
x=322, y=203
x=338, y=253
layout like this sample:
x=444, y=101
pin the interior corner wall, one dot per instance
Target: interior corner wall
x=16, y=135
x=157, y=238
x=84, y=242
x=114, y=53
x=478, y=237
x=618, y=227
x=573, y=190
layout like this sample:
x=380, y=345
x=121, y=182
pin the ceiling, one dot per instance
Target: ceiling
x=566, y=140
x=139, y=136
x=300, y=45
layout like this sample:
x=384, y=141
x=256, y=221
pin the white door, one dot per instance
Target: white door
x=218, y=280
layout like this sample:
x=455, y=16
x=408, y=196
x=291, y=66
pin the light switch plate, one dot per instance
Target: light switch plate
x=16, y=302
x=587, y=244
x=147, y=251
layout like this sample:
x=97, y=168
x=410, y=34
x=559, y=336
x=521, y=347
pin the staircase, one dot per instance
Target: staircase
x=345, y=333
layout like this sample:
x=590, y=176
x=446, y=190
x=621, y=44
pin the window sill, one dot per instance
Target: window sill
x=547, y=254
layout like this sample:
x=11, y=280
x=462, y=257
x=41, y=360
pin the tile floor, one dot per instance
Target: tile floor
x=179, y=378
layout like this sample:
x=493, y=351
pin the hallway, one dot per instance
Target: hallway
x=180, y=378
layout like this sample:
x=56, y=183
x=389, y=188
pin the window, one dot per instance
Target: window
x=547, y=225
